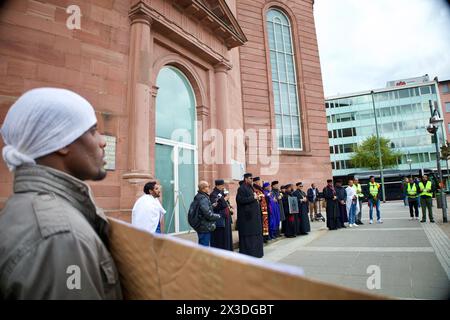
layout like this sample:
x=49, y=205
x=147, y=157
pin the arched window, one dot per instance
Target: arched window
x=175, y=147
x=284, y=80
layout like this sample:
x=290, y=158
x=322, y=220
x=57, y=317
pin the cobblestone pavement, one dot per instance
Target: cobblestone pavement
x=413, y=258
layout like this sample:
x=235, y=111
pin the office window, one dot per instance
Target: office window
x=404, y=93
x=447, y=106
x=331, y=150
x=444, y=88
x=284, y=80
x=425, y=90
x=347, y=132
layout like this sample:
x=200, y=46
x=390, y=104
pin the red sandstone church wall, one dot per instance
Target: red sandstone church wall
x=312, y=164
x=37, y=49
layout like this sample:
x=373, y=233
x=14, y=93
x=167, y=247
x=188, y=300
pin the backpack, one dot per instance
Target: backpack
x=194, y=215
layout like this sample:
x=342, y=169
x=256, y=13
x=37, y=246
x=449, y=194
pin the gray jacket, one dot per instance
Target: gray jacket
x=53, y=240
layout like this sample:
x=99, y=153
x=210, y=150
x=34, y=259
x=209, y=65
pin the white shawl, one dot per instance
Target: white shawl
x=351, y=192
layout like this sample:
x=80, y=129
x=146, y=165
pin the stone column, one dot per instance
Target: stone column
x=141, y=133
x=139, y=98
x=222, y=114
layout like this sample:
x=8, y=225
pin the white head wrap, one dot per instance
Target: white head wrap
x=43, y=121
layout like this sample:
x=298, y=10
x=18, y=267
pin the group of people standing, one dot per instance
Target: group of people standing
x=262, y=207
x=419, y=193
x=344, y=205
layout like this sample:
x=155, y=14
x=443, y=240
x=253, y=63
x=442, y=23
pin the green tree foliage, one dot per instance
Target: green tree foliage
x=445, y=151
x=366, y=154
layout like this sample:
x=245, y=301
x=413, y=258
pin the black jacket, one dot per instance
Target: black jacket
x=207, y=216
x=220, y=208
x=341, y=194
x=249, y=218
x=310, y=194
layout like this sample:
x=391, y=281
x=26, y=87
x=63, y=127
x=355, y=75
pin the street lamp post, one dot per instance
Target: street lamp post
x=432, y=128
x=379, y=147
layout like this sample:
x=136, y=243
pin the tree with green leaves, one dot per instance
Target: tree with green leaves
x=366, y=154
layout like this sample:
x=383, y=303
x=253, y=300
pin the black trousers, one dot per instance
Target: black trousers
x=413, y=207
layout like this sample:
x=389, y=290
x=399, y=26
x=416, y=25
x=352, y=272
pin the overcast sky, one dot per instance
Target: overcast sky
x=365, y=43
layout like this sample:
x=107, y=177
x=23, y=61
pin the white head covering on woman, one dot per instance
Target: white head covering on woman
x=43, y=121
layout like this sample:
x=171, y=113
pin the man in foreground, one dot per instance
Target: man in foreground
x=53, y=239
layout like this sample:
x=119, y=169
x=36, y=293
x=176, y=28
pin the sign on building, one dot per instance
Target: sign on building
x=110, y=152
x=404, y=82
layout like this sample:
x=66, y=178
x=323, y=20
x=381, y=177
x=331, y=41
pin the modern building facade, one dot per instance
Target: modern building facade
x=444, y=93
x=167, y=78
x=402, y=111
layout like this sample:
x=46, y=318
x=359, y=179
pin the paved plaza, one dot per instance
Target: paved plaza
x=413, y=258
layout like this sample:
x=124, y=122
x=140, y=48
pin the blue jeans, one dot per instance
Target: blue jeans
x=371, y=204
x=352, y=214
x=204, y=238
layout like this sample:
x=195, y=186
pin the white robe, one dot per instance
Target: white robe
x=351, y=192
x=147, y=212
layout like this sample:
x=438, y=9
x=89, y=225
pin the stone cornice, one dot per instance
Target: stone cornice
x=218, y=16
x=141, y=11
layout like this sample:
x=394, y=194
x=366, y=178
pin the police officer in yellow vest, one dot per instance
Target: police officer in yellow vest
x=374, y=199
x=426, y=198
x=412, y=191
x=358, y=188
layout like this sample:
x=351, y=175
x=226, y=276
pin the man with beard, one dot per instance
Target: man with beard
x=329, y=193
x=276, y=207
x=148, y=213
x=341, y=195
x=303, y=226
x=291, y=225
x=221, y=237
x=257, y=186
x=249, y=220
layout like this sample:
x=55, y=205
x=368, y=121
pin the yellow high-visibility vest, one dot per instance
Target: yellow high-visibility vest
x=426, y=190
x=358, y=190
x=412, y=191
x=373, y=188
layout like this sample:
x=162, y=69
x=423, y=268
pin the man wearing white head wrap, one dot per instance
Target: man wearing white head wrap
x=53, y=239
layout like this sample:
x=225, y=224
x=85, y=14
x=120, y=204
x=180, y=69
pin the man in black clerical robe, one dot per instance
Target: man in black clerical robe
x=290, y=222
x=341, y=195
x=329, y=193
x=303, y=226
x=249, y=220
x=221, y=237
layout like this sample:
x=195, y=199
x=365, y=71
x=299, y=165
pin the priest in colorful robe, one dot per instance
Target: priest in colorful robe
x=257, y=185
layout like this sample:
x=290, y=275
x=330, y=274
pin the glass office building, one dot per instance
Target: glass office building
x=402, y=111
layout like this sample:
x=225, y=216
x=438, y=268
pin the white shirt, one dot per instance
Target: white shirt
x=147, y=212
x=351, y=192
